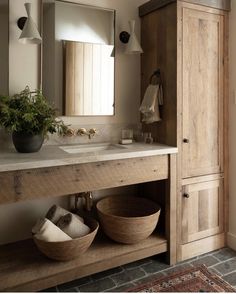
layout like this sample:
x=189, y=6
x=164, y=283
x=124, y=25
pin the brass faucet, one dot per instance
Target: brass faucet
x=90, y=133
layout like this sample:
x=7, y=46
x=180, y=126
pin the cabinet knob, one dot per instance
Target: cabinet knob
x=186, y=195
x=185, y=140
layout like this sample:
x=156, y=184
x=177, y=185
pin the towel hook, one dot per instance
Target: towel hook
x=157, y=74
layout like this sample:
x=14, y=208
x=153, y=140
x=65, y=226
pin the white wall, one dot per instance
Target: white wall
x=4, y=47
x=232, y=127
x=24, y=61
x=16, y=219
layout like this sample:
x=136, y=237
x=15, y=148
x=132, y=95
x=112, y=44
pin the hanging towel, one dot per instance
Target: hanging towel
x=56, y=212
x=150, y=105
x=45, y=230
x=72, y=226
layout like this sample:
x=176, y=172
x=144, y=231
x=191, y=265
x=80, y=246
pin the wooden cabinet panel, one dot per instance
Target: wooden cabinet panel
x=202, y=210
x=203, y=77
x=70, y=179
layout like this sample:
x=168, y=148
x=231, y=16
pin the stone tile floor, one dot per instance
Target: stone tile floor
x=221, y=262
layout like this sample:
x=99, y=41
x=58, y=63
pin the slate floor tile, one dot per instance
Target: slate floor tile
x=122, y=288
x=177, y=268
x=73, y=290
x=222, y=262
x=75, y=283
x=226, y=267
x=128, y=276
x=214, y=271
x=225, y=254
x=137, y=263
x=149, y=278
x=98, y=286
x=230, y=278
x=53, y=289
x=107, y=273
x=207, y=260
x=154, y=267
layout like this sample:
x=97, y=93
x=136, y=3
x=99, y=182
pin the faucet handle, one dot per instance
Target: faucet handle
x=81, y=131
x=92, y=131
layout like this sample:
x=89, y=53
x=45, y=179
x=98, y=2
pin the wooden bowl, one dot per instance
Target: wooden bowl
x=70, y=249
x=128, y=219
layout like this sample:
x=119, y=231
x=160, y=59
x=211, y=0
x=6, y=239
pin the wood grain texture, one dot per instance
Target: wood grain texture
x=218, y=4
x=179, y=128
x=203, y=78
x=202, y=246
x=201, y=179
x=160, y=51
x=202, y=212
x=31, y=271
x=170, y=211
x=89, y=83
x=71, y=179
x=221, y=46
x=226, y=123
x=153, y=5
x=199, y=37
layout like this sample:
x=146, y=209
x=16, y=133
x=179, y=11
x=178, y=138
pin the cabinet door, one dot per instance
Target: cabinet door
x=203, y=76
x=202, y=210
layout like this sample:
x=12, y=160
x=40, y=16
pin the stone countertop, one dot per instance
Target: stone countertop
x=50, y=156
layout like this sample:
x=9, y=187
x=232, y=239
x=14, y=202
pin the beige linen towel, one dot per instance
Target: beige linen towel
x=45, y=230
x=56, y=212
x=72, y=226
x=150, y=105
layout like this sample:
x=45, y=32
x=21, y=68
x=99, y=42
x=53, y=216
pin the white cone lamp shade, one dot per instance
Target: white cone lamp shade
x=133, y=46
x=30, y=33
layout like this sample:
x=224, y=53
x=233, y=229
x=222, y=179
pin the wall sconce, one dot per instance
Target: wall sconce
x=133, y=46
x=30, y=33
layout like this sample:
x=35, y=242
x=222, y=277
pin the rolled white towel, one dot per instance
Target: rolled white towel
x=72, y=226
x=56, y=212
x=45, y=230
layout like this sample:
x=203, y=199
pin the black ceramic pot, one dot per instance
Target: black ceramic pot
x=27, y=143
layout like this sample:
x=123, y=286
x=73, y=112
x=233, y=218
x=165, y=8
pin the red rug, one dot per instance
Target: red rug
x=197, y=279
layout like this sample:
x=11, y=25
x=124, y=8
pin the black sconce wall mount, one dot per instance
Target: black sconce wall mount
x=124, y=37
x=21, y=22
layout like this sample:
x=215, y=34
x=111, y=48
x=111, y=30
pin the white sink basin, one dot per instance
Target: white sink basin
x=86, y=148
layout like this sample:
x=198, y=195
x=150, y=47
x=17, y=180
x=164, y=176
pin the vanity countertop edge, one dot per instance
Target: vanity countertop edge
x=52, y=155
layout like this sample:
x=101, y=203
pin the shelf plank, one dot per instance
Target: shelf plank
x=24, y=268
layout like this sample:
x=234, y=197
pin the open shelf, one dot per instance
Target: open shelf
x=24, y=268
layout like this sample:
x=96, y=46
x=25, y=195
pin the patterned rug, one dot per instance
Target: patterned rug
x=197, y=279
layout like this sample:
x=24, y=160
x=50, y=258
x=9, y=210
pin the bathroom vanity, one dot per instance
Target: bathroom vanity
x=55, y=172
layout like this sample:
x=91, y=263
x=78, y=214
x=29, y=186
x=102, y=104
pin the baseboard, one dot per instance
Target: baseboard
x=231, y=241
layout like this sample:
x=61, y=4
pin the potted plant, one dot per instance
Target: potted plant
x=29, y=117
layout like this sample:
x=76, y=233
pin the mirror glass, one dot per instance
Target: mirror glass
x=78, y=58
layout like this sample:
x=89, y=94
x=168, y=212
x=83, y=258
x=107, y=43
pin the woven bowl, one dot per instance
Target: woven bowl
x=70, y=249
x=128, y=219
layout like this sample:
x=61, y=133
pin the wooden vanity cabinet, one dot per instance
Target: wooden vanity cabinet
x=24, y=268
x=188, y=41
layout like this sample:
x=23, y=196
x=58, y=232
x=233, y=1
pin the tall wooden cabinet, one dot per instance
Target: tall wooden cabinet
x=188, y=41
x=202, y=50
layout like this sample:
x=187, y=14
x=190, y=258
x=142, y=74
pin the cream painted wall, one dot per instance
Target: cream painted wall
x=24, y=69
x=232, y=127
x=24, y=60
